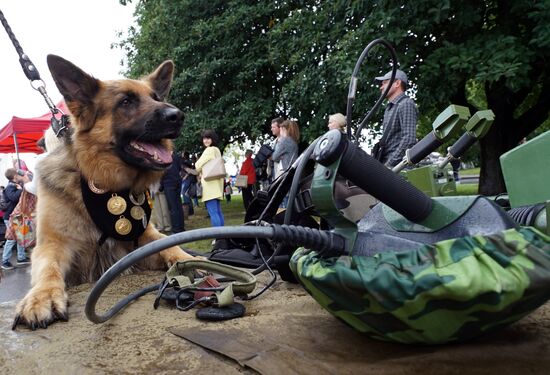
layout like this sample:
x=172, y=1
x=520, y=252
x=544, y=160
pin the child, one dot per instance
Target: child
x=228, y=190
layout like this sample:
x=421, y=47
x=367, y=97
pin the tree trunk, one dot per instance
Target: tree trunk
x=502, y=137
x=491, y=181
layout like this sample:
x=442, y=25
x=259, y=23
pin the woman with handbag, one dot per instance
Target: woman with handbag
x=210, y=166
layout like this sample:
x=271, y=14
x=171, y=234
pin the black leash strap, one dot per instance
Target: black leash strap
x=36, y=82
x=28, y=67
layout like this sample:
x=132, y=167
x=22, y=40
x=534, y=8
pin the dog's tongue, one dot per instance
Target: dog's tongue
x=158, y=152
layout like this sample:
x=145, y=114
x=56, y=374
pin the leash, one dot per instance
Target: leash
x=59, y=126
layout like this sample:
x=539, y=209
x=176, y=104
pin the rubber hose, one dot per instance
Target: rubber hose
x=526, y=215
x=297, y=235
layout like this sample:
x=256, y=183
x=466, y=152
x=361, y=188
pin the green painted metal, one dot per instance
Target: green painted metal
x=479, y=124
x=524, y=170
x=547, y=212
x=432, y=180
x=322, y=196
x=449, y=121
x=446, y=210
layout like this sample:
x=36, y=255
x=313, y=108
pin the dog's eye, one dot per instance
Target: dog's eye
x=125, y=102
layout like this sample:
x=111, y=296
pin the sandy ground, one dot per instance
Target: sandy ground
x=283, y=332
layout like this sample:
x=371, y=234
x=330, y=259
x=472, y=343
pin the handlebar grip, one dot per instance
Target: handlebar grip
x=372, y=176
x=462, y=145
x=423, y=148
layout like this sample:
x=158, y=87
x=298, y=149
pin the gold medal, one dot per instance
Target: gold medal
x=116, y=205
x=123, y=226
x=137, y=212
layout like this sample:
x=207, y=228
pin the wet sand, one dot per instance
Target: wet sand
x=284, y=331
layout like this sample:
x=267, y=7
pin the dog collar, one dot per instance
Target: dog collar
x=119, y=215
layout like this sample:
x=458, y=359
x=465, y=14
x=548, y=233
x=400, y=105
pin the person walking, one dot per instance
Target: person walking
x=400, y=119
x=12, y=193
x=248, y=169
x=212, y=190
x=171, y=186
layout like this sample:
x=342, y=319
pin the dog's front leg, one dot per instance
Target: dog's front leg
x=169, y=256
x=46, y=301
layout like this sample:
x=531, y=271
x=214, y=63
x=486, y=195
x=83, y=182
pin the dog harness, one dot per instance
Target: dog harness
x=119, y=215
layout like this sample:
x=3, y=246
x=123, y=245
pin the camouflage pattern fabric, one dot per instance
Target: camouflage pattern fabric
x=450, y=291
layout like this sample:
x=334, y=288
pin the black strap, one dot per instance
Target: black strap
x=28, y=67
x=33, y=75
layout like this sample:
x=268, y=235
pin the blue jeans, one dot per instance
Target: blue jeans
x=214, y=209
x=8, y=248
x=186, y=200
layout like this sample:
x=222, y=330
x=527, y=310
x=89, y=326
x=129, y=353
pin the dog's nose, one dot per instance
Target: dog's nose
x=172, y=115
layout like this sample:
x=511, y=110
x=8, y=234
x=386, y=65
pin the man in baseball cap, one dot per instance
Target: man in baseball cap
x=400, y=119
x=399, y=75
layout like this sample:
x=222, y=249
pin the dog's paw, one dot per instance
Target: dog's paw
x=41, y=307
x=174, y=255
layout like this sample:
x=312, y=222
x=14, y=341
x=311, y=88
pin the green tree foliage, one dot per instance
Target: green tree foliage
x=241, y=63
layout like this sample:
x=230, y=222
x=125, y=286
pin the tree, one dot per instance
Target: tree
x=499, y=46
x=240, y=63
x=224, y=78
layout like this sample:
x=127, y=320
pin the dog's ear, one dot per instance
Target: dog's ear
x=73, y=83
x=161, y=79
x=78, y=89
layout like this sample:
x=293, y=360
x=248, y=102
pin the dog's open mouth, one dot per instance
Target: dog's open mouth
x=151, y=155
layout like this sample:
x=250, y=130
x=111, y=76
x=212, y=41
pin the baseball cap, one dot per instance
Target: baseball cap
x=399, y=74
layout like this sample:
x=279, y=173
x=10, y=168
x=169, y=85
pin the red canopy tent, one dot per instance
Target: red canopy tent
x=21, y=134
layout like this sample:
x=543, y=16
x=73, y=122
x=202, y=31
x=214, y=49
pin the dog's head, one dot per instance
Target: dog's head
x=127, y=118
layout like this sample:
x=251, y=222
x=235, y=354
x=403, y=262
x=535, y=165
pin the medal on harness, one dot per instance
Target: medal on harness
x=116, y=205
x=123, y=226
x=137, y=212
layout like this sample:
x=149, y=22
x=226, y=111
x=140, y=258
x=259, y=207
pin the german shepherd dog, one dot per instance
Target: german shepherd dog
x=119, y=141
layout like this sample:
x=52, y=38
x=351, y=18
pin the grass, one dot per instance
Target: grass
x=468, y=172
x=233, y=214
x=466, y=189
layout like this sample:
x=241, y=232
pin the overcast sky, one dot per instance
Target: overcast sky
x=79, y=31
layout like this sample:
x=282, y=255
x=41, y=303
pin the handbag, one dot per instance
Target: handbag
x=241, y=181
x=22, y=220
x=214, y=169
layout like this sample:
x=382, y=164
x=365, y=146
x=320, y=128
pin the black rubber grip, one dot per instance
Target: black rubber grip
x=423, y=148
x=388, y=187
x=463, y=144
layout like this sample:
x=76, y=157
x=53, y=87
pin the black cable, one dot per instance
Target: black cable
x=284, y=233
x=296, y=180
x=353, y=88
x=304, y=158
